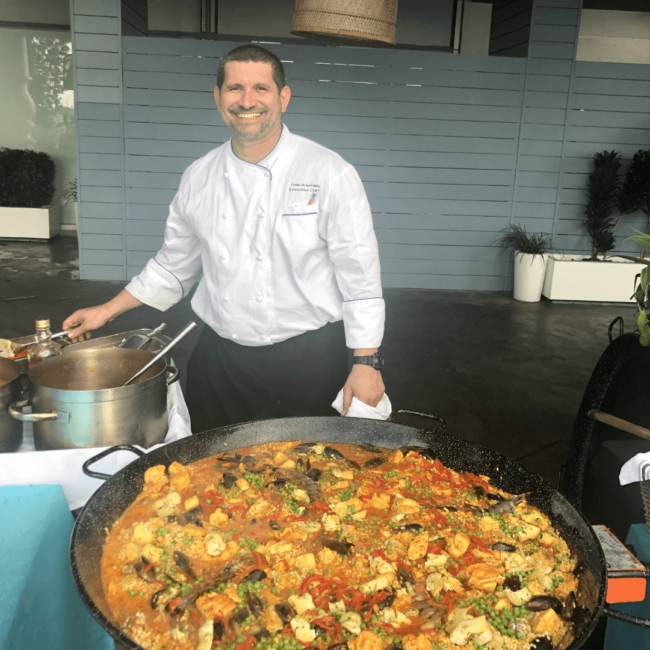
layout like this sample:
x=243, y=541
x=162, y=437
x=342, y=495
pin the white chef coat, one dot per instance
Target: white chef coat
x=286, y=245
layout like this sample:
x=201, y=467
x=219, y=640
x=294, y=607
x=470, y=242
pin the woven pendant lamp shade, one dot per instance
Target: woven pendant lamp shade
x=346, y=21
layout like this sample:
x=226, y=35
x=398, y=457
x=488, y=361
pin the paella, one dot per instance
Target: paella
x=292, y=545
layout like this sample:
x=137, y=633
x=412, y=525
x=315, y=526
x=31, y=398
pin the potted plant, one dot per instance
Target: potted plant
x=641, y=291
x=597, y=277
x=26, y=191
x=531, y=254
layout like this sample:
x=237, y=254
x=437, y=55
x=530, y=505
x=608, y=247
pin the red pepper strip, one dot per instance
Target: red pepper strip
x=357, y=599
x=258, y=558
x=321, y=505
x=196, y=618
x=237, y=508
x=310, y=580
x=149, y=566
x=296, y=518
x=174, y=603
x=435, y=549
x=286, y=564
x=161, y=583
x=323, y=622
x=546, y=546
x=478, y=541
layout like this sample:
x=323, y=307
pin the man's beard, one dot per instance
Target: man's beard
x=264, y=127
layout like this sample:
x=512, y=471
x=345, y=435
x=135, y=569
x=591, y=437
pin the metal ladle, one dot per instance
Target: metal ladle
x=172, y=344
x=136, y=341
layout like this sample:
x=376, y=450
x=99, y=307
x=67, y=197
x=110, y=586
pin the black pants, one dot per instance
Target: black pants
x=229, y=383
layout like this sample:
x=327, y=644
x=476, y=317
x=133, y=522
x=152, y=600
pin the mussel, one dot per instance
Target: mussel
x=229, y=479
x=254, y=604
x=140, y=569
x=508, y=505
x=368, y=446
x=330, y=452
x=285, y=612
x=479, y=491
x=446, y=506
x=342, y=548
x=570, y=604
x=494, y=496
x=338, y=646
x=183, y=563
x=239, y=616
x=249, y=460
x=279, y=483
x=394, y=646
x=505, y=548
x=512, y=582
x=154, y=599
x=255, y=576
x=409, y=528
x=229, y=458
x=262, y=634
x=218, y=630
x=314, y=474
x=374, y=462
x=386, y=602
x=404, y=576
x=191, y=517
x=542, y=603
x=274, y=525
x=304, y=447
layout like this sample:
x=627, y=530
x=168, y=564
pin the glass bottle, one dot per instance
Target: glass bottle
x=45, y=347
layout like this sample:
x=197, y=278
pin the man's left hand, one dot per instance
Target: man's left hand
x=364, y=383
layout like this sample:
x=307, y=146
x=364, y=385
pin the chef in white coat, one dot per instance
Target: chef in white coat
x=278, y=231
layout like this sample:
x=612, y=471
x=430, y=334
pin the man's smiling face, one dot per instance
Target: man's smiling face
x=249, y=101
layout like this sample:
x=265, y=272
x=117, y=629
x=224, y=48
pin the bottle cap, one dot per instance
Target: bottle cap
x=43, y=324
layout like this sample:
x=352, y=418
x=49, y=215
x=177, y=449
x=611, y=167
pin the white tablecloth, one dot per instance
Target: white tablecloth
x=63, y=467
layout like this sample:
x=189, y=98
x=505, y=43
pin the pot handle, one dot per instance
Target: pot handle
x=173, y=374
x=627, y=618
x=107, y=452
x=16, y=412
x=439, y=429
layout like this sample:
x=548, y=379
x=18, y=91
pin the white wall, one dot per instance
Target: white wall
x=34, y=114
x=614, y=36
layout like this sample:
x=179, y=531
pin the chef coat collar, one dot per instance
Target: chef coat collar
x=267, y=162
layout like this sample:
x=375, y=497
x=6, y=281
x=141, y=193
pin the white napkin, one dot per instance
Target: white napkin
x=636, y=469
x=63, y=466
x=360, y=410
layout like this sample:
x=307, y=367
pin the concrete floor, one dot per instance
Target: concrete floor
x=503, y=374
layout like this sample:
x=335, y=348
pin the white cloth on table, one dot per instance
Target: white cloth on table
x=285, y=245
x=360, y=410
x=64, y=466
x=636, y=469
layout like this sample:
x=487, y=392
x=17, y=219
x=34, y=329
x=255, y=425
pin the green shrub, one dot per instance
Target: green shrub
x=26, y=178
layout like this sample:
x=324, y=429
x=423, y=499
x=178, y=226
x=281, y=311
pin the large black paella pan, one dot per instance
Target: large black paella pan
x=120, y=490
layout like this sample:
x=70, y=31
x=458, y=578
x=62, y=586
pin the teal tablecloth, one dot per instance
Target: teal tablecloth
x=39, y=605
x=625, y=636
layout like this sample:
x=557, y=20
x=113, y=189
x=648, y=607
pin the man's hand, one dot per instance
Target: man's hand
x=92, y=318
x=364, y=383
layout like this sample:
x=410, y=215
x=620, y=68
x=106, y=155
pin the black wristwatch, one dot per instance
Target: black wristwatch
x=375, y=361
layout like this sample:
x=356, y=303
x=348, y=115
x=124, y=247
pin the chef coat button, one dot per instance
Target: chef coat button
x=260, y=258
x=259, y=298
x=223, y=257
x=234, y=336
x=261, y=216
x=226, y=174
x=264, y=338
x=226, y=298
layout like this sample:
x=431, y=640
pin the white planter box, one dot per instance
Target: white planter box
x=29, y=223
x=569, y=277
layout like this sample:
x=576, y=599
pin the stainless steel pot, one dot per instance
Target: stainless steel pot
x=11, y=388
x=78, y=400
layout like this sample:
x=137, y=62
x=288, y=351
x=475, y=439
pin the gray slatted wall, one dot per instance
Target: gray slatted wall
x=96, y=34
x=433, y=136
x=609, y=109
x=510, y=32
x=442, y=142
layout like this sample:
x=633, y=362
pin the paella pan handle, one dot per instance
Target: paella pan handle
x=627, y=618
x=439, y=429
x=107, y=452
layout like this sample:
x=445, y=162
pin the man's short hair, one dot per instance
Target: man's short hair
x=256, y=54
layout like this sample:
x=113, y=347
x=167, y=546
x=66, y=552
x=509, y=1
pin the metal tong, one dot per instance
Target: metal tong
x=172, y=344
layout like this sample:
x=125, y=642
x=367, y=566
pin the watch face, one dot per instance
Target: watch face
x=378, y=361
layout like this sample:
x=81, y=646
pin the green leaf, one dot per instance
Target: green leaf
x=638, y=260
x=642, y=320
x=641, y=240
x=644, y=339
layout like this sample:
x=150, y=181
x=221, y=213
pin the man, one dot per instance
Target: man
x=281, y=229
